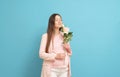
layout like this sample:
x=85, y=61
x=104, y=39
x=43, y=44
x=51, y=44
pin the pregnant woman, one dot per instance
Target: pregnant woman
x=55, y=54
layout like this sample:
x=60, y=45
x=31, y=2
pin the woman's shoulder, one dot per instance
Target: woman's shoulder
x=44, y=35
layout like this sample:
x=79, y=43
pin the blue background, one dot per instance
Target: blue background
x=95, y=44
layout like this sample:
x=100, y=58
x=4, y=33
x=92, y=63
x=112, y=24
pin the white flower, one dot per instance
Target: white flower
x=65, y=30
x=66, y=33
x=63, y=25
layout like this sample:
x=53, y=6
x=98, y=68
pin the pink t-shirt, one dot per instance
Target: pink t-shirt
x=58, y=48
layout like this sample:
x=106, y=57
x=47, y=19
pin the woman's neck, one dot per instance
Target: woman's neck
x=56, y=32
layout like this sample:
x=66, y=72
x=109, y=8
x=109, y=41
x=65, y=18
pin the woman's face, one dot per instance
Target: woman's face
x=58, y=21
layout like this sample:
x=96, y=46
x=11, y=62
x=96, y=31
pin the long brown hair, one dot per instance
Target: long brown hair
x=50, y=30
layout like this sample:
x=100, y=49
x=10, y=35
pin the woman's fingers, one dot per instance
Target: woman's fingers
x=66, y=46
x=60, y=55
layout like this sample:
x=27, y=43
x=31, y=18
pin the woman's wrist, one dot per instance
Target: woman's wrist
x=69, y=51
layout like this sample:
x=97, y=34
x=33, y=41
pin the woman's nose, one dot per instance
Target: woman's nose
x=60, y=22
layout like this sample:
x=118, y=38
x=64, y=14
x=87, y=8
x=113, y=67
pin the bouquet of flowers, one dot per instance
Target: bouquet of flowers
x=67, y=35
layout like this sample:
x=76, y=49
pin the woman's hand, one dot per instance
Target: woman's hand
x=60, y=56
x=67, y=47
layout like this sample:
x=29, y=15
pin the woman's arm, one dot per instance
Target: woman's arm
x=42, y=53
x=68, y=48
